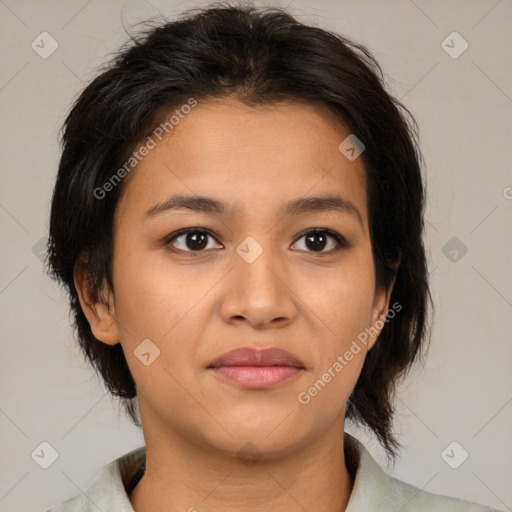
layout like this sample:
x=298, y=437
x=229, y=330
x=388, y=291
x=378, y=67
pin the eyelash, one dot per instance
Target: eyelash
x=340, y=240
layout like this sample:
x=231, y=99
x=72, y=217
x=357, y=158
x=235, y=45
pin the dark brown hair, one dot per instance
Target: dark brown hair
x=262, y=56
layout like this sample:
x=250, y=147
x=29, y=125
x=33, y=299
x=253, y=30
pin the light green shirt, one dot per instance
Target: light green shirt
x=374, y=490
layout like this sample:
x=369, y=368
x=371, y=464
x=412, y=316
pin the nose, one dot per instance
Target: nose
x=259, y=293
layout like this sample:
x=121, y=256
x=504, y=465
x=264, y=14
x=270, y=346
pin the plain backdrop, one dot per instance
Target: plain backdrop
x=463, y=104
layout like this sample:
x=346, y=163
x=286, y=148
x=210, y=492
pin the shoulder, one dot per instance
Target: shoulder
x=413, y=499
x=107, y=492
x=374, y=490
x=71, y=505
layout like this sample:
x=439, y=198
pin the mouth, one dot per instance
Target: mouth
x=257, y=369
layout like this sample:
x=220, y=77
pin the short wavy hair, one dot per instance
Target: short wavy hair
x=261, y=56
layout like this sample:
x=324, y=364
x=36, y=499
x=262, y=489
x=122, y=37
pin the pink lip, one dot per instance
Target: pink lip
x=257, y=377
x=254, y=357
x=257, y=369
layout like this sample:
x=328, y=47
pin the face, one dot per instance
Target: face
x=201, y=282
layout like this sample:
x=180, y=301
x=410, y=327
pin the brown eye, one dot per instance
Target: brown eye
x=317, y=240
x=191, y=240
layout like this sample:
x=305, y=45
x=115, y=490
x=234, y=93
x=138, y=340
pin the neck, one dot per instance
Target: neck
x=182, y=476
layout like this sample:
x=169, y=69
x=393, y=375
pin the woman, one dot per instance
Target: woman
x=238, y=220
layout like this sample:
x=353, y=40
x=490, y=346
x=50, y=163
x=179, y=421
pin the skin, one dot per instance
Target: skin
x=195, y=306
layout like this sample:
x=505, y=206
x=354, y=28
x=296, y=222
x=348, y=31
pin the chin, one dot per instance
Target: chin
x=251, y=443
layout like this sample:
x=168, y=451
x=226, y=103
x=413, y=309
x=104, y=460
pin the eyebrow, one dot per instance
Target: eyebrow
x=209, y=205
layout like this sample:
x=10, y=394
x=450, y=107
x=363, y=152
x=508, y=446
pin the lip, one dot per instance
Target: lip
x=255, y=368
x=248, y=356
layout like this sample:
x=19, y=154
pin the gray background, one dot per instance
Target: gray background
x=463, y=106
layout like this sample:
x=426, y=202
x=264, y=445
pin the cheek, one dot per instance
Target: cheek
x=344, y=306
x=157, y=304
x=344, y=300
x=150, y=299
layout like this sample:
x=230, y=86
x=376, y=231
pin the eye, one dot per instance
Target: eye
x=191, y=240
x=317, y=239
x=196, y=240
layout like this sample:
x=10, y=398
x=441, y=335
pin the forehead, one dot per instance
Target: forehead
x=252, y=159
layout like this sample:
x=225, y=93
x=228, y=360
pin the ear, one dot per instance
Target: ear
x=100, y=314
x=379, y=312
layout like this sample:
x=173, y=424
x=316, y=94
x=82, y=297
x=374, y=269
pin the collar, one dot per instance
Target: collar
x=373, y=489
